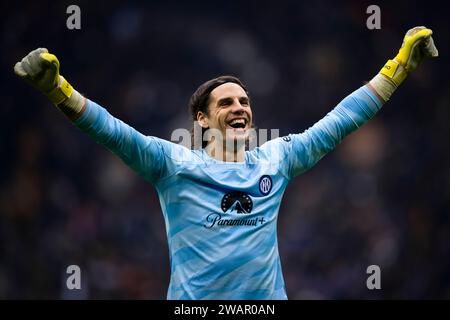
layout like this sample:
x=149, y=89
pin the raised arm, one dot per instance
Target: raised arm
x=143, y=154
x=356, y=109
x=41, y=70
x=417, y=45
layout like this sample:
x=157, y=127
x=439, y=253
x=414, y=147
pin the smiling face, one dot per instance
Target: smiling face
x=228, y=112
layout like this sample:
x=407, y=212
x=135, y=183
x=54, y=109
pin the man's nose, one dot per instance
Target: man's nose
x=237, y=107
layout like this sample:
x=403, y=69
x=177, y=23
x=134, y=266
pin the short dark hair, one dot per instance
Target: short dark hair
x=199, y=100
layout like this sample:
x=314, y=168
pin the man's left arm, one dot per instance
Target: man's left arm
x=361, y=105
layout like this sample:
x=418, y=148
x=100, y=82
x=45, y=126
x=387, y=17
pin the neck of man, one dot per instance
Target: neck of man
x=228, y=151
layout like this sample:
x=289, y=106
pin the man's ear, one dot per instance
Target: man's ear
x=202, y=120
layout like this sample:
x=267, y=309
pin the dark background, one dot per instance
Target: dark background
x=382, y=197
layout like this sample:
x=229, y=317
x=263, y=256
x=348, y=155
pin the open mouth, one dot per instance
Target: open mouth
x=238, y=123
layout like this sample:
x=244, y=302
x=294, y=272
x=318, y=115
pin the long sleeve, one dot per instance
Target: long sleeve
x=296, y=153
x=142, y=153
x=350, y=114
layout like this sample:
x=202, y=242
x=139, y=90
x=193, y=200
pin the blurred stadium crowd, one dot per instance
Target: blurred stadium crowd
x=382, y=197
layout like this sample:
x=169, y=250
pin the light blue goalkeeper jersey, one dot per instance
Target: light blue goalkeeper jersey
x=221, y=216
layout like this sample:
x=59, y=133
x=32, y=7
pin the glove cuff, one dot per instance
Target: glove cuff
x=60, y=93
x=394, y=71
x=73, y=105
x=384, y=86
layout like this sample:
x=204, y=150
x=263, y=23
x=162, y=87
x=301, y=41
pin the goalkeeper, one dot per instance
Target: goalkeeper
x=221, y=204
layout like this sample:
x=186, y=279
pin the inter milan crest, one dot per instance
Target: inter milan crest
x=265, y=185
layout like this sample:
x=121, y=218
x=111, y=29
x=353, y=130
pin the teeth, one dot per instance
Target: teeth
x=237, y=121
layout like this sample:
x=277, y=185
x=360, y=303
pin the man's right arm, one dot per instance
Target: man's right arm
x=143, y=154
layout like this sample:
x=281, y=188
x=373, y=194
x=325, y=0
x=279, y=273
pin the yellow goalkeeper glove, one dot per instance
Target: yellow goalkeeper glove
x=417, y=45
x=41, y=70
